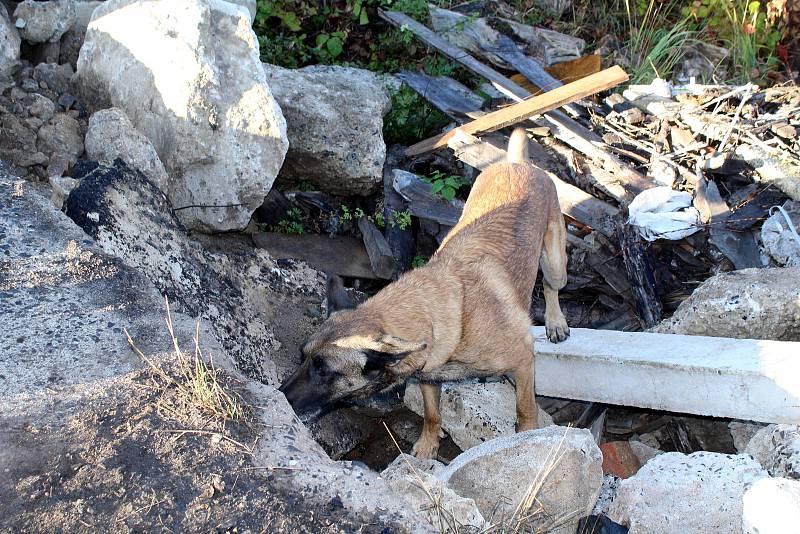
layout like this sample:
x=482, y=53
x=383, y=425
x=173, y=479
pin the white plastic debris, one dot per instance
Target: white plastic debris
x=658, y=87
x=662, y=213
x=780, y=234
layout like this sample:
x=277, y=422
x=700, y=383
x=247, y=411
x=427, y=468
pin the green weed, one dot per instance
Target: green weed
x=293, y=224
x=401, y=219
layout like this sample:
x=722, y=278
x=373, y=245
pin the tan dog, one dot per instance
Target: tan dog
x=464, y=314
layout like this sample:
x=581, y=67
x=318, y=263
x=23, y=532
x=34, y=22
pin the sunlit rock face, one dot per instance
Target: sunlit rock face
x=187, y=74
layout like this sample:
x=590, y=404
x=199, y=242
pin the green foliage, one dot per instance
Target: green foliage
x=292, y=224
x=446, y=186
x=346, y=215
x=412, y=118
x=654, y=49
x=419, y=261
x=401, y=219
x=743, y=27
x=379, y=220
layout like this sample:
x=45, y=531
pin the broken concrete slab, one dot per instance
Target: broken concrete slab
x=674, y=492
x=475, y=412
x=510, y=477
x=673, y=373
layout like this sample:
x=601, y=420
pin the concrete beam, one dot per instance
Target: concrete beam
x=737, y=378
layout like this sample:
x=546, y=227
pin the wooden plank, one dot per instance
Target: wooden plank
x=574, y=202
x=427, y=36
x=401, y=240
x=445, y=94
x=344, y=256
x=563, y=127
x=536, y=105
x=378, y=250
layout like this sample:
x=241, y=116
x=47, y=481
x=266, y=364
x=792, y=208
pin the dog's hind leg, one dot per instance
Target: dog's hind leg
x=527, y=411
x=427, y=446
x=553, y=262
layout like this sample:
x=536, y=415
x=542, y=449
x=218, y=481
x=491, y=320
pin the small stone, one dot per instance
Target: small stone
x=742, y=432
x=66, y=101
x=57, y=78
x=30, y=85
x=61, y=135
x=619, y=459
x=784, y=130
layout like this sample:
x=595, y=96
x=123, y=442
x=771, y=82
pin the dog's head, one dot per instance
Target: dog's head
x=350, y=356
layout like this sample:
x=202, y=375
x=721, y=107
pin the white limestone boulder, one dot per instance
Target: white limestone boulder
x=9, y=46
x=187, y=74
x=771, y=506
x=777, y=449
x=556, y=468
x=673, y=492
x=334, y=117
x=745, y=304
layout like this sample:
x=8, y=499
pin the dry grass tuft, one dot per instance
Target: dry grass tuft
x=198, y=385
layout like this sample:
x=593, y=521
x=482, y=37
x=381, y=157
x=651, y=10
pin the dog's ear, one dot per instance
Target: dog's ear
x=337, y=295
x=397, y=346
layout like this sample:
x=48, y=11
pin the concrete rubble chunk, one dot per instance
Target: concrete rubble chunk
x=498, y=475
x=205, y=106
x=750, y=303
x=9, y=46
x=244, y=297
x=777, y=449
x=415, y=481
x=334, y=118
x=111, y=135
x=771, y=506
x=674, y=492
x=44, y=22
x=474, y=412
x=654, y=371
x=742, y=432
x=250, y=5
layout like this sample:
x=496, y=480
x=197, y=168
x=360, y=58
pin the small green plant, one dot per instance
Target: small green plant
x=358, y=213
x=411, y=118
x=379, y=220
x=346, y=214
x=419, y=261
x=653, y=49
x=293, y=224
x=401, y=219
x=446, y=186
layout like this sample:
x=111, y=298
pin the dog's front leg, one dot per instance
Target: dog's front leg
x=527, y=411
x=427, y=446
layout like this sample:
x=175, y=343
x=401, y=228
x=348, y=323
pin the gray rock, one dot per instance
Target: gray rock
x=334, y=117
x=644, y=452
x=9, y=46
x=111, y=135
x=72, y=40
x=57, y=78
x=742, y=432
x=212, y=119
x=247, y=300
x=554, y=7
x=62, y=187
x=250, y=5
x=777, y=449
x=474, y=412
x=428, y=495
x=502, y=476
x=701, y=492
x=748, y=304
x=65, y=304
x=771, y=506
x=42, y=22
x=62, y=135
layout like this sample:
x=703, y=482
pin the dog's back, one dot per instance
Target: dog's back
x=503, y=218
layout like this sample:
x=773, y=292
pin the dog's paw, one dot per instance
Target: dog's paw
x=426, y=447
x=557, y=331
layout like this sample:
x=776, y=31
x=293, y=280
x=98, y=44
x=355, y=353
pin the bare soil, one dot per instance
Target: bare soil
x=140, y=460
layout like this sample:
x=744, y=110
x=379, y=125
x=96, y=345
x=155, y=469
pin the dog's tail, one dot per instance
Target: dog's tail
x=518, y=146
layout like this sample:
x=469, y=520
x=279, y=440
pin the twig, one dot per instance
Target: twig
x=736, y=115
x=244, y=447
